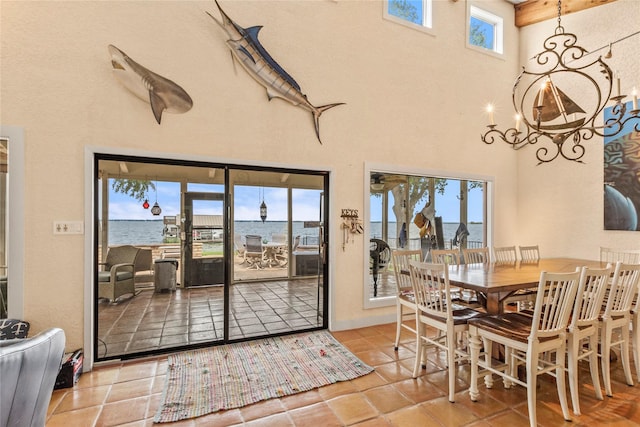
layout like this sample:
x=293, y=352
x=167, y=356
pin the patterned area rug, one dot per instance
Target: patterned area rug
x=234, y=375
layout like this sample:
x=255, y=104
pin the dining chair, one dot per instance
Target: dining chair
x=405, y=298
x=529, y=253
x=435, y=309
x=528, y=340
x=627, y=256
x=254, y=254
x=582, y=333
x=445, y=256
x=452, y=257
x=617, y=319
x=505, y=255
x=476, y=255
x=635, y=334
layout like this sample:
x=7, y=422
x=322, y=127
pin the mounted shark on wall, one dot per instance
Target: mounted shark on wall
x=247, y=50
x=161, y=93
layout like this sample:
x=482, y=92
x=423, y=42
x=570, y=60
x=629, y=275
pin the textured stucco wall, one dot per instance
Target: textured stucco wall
x=413, y=100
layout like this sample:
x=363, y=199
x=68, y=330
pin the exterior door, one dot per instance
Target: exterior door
x=203, y=246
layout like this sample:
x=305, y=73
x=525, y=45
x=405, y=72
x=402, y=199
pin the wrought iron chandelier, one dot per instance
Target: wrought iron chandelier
x=549, y=115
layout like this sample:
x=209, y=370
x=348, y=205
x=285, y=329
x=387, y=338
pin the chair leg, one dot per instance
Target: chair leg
x=474, y=348
x=451, y=362
x=593, y=365
x=532, y=378
x=635, y=341
x=419, y=347
x=605, y=348
x=572, y=360
x=398, y=324
x=561, y=383
x=626, y=363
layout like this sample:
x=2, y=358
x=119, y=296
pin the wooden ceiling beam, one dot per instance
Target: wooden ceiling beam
x=532, y=11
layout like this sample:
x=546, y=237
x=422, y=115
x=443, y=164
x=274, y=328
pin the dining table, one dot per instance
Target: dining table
x=495, y=282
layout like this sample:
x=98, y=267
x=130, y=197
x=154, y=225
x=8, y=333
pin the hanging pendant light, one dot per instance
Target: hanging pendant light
x=145, y=205
x=155, y=210
x=263, y=208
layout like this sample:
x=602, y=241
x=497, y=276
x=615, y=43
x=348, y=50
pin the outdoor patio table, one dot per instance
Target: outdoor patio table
x=272, y=251
x=495, y=282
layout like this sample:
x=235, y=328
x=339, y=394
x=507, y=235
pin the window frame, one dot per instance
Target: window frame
x=426, y=27
x=377, y=302
x=497, y=21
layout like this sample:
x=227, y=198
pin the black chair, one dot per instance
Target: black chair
x=380, y=254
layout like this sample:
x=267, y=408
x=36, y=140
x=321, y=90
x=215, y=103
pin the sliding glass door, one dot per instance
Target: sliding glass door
x=193, y=254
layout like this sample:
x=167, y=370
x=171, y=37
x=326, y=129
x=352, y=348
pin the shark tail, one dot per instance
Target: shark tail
x=317, y=112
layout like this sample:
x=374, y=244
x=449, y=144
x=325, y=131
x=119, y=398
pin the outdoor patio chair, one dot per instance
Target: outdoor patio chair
x=118, y=276
x=254, y=254
x=239, y=246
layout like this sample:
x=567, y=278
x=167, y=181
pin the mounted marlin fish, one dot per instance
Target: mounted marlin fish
x=246, y=49
x=161, y=93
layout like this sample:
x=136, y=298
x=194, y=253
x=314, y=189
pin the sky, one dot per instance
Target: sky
x=248, y=199
x=247, y=203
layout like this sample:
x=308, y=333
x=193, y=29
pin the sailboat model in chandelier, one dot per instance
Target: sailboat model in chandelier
x=553, y=104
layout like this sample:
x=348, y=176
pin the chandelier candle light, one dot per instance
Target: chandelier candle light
x=549, y=114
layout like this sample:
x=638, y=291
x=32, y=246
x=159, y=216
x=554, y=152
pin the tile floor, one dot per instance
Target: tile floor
x=128, y=394
x=151, y=320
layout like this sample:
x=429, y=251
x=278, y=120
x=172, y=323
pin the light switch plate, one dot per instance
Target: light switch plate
x=68, y=227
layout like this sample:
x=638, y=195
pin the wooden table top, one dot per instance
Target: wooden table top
x=494, y=278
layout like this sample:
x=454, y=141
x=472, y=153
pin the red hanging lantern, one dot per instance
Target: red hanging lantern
x=145, y=204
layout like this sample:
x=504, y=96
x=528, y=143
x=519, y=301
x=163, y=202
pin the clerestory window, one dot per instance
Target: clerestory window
x=485, y=30
x=413, y=13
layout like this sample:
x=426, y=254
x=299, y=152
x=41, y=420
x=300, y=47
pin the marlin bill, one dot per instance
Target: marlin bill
x=254, y=58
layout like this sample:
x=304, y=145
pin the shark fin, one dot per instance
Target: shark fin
x=157, y=105
x=316, y=116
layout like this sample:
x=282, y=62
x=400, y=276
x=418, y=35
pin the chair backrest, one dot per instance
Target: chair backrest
x=28, y=369
x=476, y=255
x=253, y=243
x=612, y=255
x=592, y=288
x=279, y=238
x=529, y=253
x=445, y=256
x=237, y=242
x=431, y=288
x=505, y=255
x=400, y=259
x=554, y=301
x=143, y=260
x=624, y=287
x=125, y=254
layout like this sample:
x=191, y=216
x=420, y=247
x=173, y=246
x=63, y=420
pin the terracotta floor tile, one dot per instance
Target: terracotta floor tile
x=262, y=409
x=337, y=389
x=448, y=413
x=124, y=411
x=128, y=394
x=83, y=398
x=411, y=416
x=301, y=399
x=79, y=418
x=319, y=414
x=129, y=389
x=373, y=357
x=387, y=398
x=352, y=408
x=219, y=419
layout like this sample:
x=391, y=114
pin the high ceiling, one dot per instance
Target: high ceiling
x=531, y=11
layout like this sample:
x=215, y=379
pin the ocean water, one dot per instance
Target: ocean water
x=149, y=232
